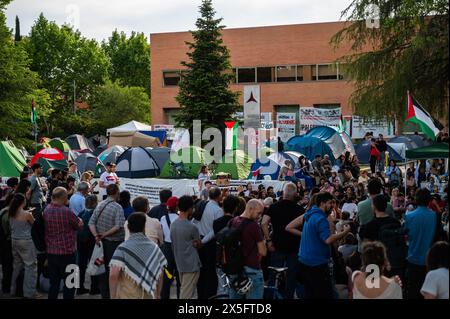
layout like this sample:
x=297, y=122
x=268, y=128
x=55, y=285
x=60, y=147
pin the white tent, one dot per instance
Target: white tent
x=128, y=129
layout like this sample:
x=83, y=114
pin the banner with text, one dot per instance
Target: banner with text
x=311, y=117
x=360, y=126
x=286, y=125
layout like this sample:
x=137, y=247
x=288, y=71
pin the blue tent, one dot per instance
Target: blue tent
x=161, y=135
x=330, y=136
x=271, y=166
x=310, y=146
x=363, y=153
x=411, y=141
x=137, y=162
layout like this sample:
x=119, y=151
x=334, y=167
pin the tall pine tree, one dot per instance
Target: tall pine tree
x=17, y=36
x=204, y=93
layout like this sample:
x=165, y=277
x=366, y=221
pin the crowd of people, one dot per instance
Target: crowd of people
x=325, y=236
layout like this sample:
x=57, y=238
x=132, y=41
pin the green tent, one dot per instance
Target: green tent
x=60, y=145
x=192, y=158
x=46, y=164
x=12, y=161
x=237, y=163
x=437, y=150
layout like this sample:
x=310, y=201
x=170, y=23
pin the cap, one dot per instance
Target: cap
x=172, y=202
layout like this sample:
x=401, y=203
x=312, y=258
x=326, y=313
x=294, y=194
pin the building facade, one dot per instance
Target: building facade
x=294, y=65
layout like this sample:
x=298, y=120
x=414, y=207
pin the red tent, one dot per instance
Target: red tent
x=52, y=154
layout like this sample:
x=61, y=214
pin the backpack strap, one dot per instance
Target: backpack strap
x=167, y=219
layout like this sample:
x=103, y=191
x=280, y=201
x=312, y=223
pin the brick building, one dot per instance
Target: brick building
x=294, y=65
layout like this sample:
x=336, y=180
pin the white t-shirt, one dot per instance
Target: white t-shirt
x=351, y=208
x=109, y=178
x=436, y=283
x=165, y=227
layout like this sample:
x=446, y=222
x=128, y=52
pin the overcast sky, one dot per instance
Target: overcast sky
x=98, y=18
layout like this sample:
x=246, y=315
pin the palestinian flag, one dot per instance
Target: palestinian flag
x=231, y=135
x=33, y=112
x=418, y=115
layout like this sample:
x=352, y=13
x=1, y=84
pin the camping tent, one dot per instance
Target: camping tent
x=136, y=162
x=333, y=138
x=160, y=135
x=52, y=154
x=310, y=146
x=46, y=164
x=437, y=150
x=79, y=142
x=160, y=154
x=347, y=142
x=237, y=163
x=86, y=162
x=111, y=154
x=363, y=153
x=265, y=169
x=60, y=144
x=186, y=163
x=12, y=161
x=100, y=149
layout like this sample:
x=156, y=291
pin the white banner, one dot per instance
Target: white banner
x=181, y=139
x=170, y=129
x=286, y=125
x=361, y=126
x=252, y=105
x=150, y=187
x=311, y=117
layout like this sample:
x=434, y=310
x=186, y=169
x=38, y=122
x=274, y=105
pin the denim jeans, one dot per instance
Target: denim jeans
x=280, y=259
x=257, y=289
x=24, y=255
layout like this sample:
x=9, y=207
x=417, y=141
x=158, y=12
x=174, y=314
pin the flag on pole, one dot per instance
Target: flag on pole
x=33, y=112
x=418, y=115
x=342, y=124
x=231, y=135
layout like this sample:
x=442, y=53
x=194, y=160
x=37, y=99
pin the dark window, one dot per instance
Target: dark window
x=286, y=73
x=246, y=75
x=327, y=72
x=327, y=106
x=266, y=74
x=171, y=78
x=299, y=72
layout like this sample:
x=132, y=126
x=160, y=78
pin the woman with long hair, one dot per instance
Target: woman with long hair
x=436, y=283
x=23, y=249
x=393, y=174
x=125, y=202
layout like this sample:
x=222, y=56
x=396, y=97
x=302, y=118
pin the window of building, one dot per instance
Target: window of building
x=342, y=69
x=326, y=72
x=246, y=75
x=286, y=73
x=265, y=74
x=169, y=114
x=171, y=78
x=299, y=72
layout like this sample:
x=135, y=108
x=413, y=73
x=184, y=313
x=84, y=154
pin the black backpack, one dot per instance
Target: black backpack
x=199, y=208
x=230, y=255
x=393, y=237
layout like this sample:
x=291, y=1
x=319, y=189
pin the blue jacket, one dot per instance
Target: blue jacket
x=316, y=229
x=420, y=226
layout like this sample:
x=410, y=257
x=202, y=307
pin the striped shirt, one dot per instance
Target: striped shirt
x=107, y=215
x=61, y=226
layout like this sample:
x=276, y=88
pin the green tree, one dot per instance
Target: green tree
x=18, y=87
x=204, y=93
x=130, y=59
x=17, y=36
x=112, y=104
x=409, y=51
x=66, y=62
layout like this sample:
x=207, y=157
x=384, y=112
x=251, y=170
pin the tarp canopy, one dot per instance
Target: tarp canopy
x=111, y=154
x=136, y=162
x=60, y=144
x=12, y=161
x=52, y=154
x=160, y=135
x=160, y=154
x=363, y=153
x=237, y=163
x=46, y=164
x=134, y=140
x=128, y=129
x=433, y=151
x=186, y=163
x=79, y=142
x=310, y=146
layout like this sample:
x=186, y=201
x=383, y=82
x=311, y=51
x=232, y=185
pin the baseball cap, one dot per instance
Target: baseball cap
x=172, y=202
